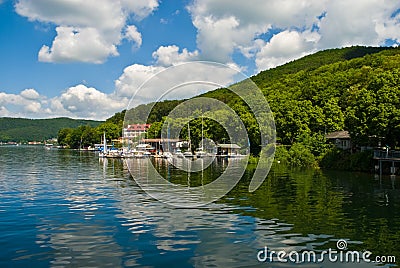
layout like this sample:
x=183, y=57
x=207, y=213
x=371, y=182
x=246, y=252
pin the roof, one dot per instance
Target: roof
x=137, y=127
x=228, y=146
x=343, y=134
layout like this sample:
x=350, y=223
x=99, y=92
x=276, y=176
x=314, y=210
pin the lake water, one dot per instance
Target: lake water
x=62, y=208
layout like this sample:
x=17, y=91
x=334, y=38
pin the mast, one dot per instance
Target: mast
x=104, y=143
x=202, y=133
x=190, y=143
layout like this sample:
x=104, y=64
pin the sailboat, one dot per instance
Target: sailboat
x=189, y=153
x=200, y=151
x=104, y=152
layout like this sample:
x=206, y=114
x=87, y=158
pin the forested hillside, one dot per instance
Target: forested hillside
x=355, y=89
x=309, y=97
x=23, y=130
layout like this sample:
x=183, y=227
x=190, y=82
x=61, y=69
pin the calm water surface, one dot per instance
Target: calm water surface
x=63, y=208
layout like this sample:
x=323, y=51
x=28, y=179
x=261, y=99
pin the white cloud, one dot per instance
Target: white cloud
x=140, y=8
x=30, y=94
x=131, y=33
x=133, y=77
x=87, y=31
x=33, y=107
x=170, y=55
x=155, y=83
x=77, y=44
x=284, y=47
x=87, y=102
x=26, y=104
x=76, y=102
x=225, y=27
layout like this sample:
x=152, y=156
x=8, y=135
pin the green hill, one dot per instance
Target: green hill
x=316, y=60
x=355, y=89
x=23, y=130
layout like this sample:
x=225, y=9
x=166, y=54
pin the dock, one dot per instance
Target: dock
x=386, y=156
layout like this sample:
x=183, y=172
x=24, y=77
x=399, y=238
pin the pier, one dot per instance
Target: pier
x=386, y=156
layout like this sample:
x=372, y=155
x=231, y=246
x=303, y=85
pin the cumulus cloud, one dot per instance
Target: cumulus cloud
x=140, y=8
x=77, y=44
x=27, y=103
x=155, y=83
x=87, y=102
x=284, y=47
x=170, y=55
x=133, y=77
x=131, y=33
x=76, y=102
x=30, y=94
x=226, y=27
x=87, y=31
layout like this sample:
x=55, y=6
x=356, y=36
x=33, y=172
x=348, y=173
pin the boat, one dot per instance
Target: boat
x=113, y=153
x=188, y=153
x=167, y=155
x=143, y=150
x=104, y=151
x=200, y=153
x=47, y=146
x=179, y=153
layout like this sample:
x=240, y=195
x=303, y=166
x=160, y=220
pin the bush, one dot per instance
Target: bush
x=281, y=154
x=301, y=156
x=345, y=160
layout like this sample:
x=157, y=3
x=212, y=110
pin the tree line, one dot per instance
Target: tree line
x=355, y=89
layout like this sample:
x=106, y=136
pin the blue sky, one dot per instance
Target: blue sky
x=68, y=57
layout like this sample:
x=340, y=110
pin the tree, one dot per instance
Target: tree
x=63, y=135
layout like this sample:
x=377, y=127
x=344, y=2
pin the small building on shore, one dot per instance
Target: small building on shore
x=341, y=139
x=228, y=149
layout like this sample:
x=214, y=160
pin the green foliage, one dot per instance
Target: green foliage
x=344, y=160
x=354, y=88
x=282, y=155
x=85, y=136
x=24, y=130
x=301, y=156
x=117, y=119
x=298, y=155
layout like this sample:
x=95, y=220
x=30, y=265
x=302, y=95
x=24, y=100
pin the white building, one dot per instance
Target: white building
x=135, y=130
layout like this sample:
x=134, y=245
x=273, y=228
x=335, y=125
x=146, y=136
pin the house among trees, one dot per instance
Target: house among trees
x=341, y=139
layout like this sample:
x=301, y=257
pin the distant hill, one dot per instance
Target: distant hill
x=23, y=130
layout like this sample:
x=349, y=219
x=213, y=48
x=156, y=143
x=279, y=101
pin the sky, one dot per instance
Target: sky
x=86, y=59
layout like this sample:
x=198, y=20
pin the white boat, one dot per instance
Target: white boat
x=47, y=146
x=200, y=153
x=188, y=154
x=167, y=155
x=103, y=153
x=114, y=153
x=179, y=153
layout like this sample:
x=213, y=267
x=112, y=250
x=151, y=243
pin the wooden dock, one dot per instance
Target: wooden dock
x=387, y=156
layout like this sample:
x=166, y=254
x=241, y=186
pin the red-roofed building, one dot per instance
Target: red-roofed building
x=135, y=130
